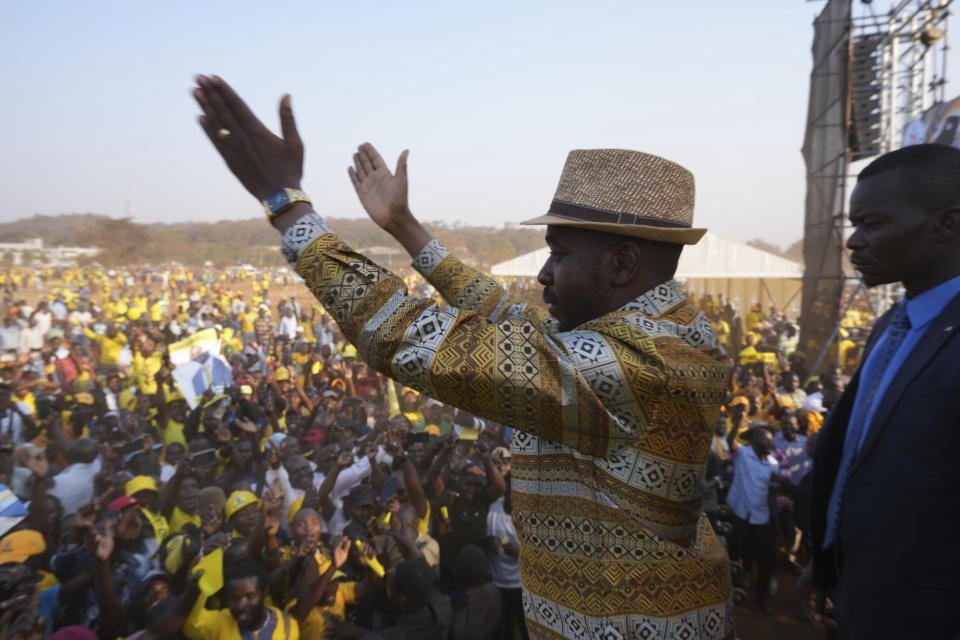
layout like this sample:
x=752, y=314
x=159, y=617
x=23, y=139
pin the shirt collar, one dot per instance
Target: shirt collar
x=923, y=308
x=657, y=300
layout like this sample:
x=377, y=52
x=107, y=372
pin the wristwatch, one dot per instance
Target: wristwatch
x=279, y=201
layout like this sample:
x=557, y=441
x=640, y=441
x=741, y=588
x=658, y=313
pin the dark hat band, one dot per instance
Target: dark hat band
x=583, y=213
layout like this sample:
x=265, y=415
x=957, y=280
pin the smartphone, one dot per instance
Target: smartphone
x=414, y=437
x=132, y=446
x=157, y=448
x=204, y=458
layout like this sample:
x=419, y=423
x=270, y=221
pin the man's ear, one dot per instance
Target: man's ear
x=947, y=226
x=625, y=259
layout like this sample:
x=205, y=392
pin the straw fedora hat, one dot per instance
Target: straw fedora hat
x=624, y=192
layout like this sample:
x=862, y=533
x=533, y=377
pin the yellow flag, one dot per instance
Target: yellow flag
x=212, y=579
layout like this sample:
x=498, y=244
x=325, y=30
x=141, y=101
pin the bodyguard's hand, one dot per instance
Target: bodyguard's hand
x=382, y=194
x=263, y=162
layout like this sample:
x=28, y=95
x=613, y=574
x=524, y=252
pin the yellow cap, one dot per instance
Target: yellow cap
x=21, y=545
x=349, y=351
x=140, y=483
x=238, y=500
x=282, y=374
x=84, y=398
x=294, y=509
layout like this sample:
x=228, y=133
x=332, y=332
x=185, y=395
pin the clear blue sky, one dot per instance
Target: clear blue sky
x=488, y=96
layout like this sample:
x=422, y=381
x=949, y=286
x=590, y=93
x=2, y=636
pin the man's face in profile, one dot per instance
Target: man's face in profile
x=572, y=277
x=892, y=236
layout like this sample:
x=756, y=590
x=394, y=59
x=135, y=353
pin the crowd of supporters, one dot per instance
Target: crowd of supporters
x=310, y=496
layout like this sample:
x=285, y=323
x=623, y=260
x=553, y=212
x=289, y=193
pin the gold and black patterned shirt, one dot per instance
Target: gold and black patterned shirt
x=613, y=421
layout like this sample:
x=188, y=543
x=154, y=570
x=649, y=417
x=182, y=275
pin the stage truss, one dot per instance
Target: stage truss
x=873, y=74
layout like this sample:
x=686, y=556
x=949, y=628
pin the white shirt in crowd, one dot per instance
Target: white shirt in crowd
x=504, y=569
x=751, y=484
x=59, y=310
x=74, y=486
x=288, y=327
x=79, y=320
x=44, y=321
x=31, y=338
x=814, y=402
x=10, y=337
x=11, y=424
x=348, y=478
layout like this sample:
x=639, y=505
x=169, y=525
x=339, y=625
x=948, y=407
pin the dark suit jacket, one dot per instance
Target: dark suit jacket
x=898, y=552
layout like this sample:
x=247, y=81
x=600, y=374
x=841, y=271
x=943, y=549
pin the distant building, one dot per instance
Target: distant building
x=32, y=251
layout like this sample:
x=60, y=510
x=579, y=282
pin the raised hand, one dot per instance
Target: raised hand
x=272, y=503
x=261, y=161
x=382, y=194
x=345, y=459
x=104, y=541
x=39, y=465
x=341, y=551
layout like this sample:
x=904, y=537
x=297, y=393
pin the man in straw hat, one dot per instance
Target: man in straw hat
x=614, y=393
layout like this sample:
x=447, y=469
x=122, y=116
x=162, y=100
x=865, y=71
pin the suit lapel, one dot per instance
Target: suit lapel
x=938, y=332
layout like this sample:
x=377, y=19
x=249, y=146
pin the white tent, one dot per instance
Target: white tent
x=716, y=265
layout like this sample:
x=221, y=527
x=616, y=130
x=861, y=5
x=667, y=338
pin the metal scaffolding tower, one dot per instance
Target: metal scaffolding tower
x=874, y=74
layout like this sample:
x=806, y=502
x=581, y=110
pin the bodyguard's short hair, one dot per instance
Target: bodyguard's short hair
x=931, y=173
x=414, y=580
x=244, y=570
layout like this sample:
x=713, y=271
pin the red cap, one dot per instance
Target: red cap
x=121, y=503
x=314, y=435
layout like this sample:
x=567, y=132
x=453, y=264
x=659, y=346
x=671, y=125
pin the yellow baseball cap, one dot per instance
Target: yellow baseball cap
x=282, y=374
x=238, y=500
x=21, y=545
x=140, y=483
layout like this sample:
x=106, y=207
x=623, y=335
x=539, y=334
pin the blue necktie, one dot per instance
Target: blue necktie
x=896, y=331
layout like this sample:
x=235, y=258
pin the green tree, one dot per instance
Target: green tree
x=121, y=242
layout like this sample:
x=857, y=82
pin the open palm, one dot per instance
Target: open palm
x=382, y=194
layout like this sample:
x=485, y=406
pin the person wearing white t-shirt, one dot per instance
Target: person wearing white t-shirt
x=44, y=318
x=288, y=325
x=750, y=498
x=16, y=418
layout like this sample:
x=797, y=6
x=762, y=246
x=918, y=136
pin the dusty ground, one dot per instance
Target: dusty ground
x=788, y=621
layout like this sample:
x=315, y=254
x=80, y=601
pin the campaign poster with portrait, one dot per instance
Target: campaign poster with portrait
x=198, y=365
x=938, y=124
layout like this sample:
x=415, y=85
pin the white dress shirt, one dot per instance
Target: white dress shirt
x=751, y=484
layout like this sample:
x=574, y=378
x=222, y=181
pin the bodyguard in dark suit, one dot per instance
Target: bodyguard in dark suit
x=886, y=475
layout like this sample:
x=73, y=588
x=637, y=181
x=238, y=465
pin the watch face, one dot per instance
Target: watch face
x=277, y=200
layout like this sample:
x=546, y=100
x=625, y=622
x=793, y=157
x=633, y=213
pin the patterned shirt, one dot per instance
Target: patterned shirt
x=613, y=424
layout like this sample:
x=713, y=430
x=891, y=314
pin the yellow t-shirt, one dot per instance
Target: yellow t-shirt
x=109, y=347
x=180, y=518
x=204, y=624
x=314, y=626
x=173, y=433
x=246, y=322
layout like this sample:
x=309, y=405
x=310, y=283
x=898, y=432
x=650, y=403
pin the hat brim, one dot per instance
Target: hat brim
x=675, y=235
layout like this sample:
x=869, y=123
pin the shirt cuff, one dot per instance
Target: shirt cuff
x=300, y=234
x=430, y=258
